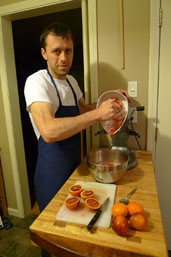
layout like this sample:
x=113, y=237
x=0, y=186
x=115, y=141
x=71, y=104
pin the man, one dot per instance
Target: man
x=58, y=113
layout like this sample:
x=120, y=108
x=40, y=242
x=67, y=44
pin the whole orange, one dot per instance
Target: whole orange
x=135, y=207
x=120, y=225
x=119, y=209
x=138, y=221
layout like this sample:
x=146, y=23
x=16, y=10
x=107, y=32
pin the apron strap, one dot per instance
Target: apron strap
x=75, y=97
x=53, y=82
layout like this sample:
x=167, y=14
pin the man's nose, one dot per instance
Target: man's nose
x=63, y=56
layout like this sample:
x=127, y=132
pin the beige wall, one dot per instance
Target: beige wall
x=111, y=74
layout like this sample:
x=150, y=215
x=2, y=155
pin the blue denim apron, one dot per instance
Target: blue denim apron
x=56, y=160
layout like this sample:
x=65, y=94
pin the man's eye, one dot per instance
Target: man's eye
x=68, y=51
x=57, y=52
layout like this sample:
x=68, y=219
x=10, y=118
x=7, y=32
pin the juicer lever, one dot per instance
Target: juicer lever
x=140, y=108
x=133, y=133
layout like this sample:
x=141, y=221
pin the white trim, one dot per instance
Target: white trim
x=15, y=212
x=153, y=75
x=85, y=50
x=22, y=8
x=92, y=28
x=86, y=64
x=93, y=56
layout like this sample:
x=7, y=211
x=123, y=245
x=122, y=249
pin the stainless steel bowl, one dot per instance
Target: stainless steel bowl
x=107, y=166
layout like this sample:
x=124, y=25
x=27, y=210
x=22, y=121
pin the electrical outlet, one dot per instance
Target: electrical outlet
x=134, y=114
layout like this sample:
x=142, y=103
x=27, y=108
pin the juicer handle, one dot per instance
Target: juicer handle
x=133, y=133
x=140, y=108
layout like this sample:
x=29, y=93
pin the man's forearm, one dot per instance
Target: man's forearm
x=56, y=129
x=87, y=108
x=61, y=128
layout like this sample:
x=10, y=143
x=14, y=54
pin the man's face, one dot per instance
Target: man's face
x=59, y=55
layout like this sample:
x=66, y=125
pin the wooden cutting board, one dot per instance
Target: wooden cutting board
x=82, y=215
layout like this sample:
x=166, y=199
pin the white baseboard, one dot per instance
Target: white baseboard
x=15, y=212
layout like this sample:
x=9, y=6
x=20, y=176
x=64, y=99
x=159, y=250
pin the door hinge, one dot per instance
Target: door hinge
x=156, y=134
x=160, y=17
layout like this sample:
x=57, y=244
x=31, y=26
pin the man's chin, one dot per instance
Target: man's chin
x=63, y=71
x=61, y=75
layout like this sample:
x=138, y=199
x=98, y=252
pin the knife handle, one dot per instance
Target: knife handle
x=93, y=220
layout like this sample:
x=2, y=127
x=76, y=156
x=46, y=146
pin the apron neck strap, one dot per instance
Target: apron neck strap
x=75, y=97
x=53, y=82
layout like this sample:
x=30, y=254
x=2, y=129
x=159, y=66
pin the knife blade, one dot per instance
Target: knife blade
x=98, y=212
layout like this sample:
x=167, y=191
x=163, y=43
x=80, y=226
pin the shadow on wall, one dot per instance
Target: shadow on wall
x=112, y=79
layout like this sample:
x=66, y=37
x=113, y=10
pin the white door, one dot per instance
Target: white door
x=163, y=143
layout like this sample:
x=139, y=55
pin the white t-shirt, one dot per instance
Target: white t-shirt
x=39, y=88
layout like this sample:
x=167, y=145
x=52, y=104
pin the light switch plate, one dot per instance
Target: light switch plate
x=132, y=88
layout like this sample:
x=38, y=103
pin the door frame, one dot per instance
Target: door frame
x=10, y=97
x=153, y=76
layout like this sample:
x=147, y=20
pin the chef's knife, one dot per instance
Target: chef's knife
x=98, y=212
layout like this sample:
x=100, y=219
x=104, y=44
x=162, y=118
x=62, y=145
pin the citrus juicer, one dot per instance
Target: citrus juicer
x=120, y=138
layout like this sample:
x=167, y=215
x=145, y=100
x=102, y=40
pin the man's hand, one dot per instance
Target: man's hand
x=108, y=109
x=125, y=93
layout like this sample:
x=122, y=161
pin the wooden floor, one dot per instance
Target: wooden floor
x=35, y=209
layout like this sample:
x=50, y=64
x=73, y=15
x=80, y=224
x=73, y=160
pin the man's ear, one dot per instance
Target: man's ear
x=43, y=52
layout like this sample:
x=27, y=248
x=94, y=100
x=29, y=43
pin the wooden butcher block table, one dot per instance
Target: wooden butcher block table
x=50, y=233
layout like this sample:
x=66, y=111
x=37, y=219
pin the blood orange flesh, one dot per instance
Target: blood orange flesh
x=72, y=202
x=92, y=204
x=87, y=194
x=75, y=190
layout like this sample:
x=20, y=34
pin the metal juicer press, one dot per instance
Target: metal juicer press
x=120, y=139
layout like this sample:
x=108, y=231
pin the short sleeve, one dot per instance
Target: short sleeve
x=35, y=91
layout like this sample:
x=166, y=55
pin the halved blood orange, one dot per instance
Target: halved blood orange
x=92, y=204
x=87, y=194
x=75, y=190
x=72, y=202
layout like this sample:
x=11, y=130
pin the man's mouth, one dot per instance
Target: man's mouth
x=63, y=66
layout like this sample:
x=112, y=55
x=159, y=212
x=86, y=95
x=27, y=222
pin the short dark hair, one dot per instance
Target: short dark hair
x=58, y=29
